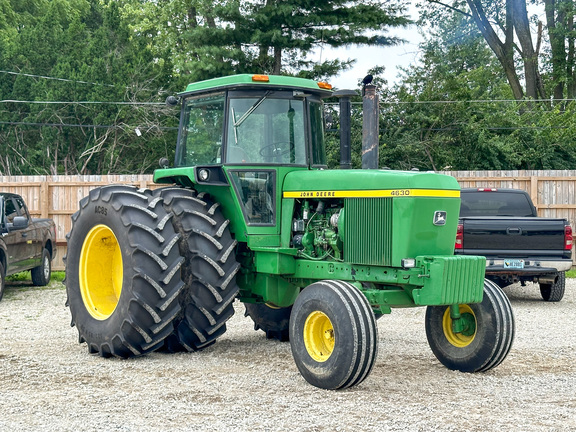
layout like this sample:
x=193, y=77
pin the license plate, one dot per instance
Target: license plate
x=514, y=263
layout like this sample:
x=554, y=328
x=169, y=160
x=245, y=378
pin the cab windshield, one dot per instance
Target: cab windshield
x=266, y=130
x=269, y=128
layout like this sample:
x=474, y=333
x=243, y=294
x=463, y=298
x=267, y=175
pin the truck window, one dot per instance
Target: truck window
x=10, y=210
x=495, y=204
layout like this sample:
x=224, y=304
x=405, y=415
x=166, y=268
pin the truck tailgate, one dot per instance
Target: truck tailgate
x=503, y=235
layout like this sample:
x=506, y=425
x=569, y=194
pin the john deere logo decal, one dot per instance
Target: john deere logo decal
x=439, y=218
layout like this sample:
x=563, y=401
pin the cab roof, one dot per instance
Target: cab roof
x=265, y=81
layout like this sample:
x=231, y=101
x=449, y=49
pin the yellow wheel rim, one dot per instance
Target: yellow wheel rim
x=465, y=338
x=101, y=272
x=319, y=336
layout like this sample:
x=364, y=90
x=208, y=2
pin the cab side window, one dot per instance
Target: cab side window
x=257, y=194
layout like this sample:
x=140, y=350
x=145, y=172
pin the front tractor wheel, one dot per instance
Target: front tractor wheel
x=122, y=272
x=479, y=339
x=333, y=335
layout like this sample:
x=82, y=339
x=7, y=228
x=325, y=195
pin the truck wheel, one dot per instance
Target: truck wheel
x=333, y=335
x=554, y=292
x=2, y=280
x=487, y=336
x=209, y=270
x=272, y=320
x=122, y=272
x=41, y=274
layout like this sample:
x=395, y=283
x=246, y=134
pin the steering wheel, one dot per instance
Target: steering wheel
x=275, y=149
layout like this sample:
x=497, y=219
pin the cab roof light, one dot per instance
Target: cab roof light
x=260, y=78
x=325, y=85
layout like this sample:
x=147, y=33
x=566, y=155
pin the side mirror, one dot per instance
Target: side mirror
x=171, y=101
x=164, y=162
x=20, y=222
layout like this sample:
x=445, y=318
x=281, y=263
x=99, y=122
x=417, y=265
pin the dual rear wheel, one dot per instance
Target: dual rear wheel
x=148, y=270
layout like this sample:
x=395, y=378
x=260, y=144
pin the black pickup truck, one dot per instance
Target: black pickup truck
x=25, y=243
x=519, y=246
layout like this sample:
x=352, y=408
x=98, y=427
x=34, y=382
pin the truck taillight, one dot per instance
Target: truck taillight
x=568, y=239
x=460, y=237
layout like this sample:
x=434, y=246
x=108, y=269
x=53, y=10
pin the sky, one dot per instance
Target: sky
x=392, y=57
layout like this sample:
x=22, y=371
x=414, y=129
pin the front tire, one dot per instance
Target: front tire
x=2, y=281
x=487, y=336
x=122, y=272
x=554, y=292
x=209, y=270
x=333, y=335
x=41, y=274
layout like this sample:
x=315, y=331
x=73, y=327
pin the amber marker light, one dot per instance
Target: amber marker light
x=260, y=78
x=325, y=85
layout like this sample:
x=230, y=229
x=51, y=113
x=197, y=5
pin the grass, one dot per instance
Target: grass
x=56, y=276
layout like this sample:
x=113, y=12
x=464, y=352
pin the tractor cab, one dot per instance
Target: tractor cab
x=249, y=132
x=254, y=120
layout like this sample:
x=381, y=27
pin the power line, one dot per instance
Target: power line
x=472, y=101
x=79, y=102
x=71, y=80
x=84, y=125
x=55, y=79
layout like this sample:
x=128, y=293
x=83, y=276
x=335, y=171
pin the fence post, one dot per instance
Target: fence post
x=44, y=199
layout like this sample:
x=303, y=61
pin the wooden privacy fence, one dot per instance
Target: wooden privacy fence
x=57, y=197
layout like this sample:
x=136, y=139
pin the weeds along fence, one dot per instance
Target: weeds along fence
x=57, y=197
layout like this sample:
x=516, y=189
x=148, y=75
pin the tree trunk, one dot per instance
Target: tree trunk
x=529, y=56
x=504, y=50
x=277, y=61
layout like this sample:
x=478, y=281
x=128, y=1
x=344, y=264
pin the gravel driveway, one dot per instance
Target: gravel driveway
x=49, y=382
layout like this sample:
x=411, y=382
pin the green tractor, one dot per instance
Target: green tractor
x=250, y=212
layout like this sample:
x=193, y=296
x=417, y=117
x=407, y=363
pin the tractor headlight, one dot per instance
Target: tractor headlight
x=203, y=175
x=408, y=263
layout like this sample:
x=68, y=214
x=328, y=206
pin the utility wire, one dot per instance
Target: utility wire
x=69, y=80
x=55, y=79
x=80, y=102
x=84, y=125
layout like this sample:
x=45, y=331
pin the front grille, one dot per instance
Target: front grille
x=368, y=231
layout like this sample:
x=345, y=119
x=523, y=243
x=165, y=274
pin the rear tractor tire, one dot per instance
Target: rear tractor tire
x=333, y=335
x=487, y=334
x=554, y=292
x=274, y=321
x=209, y=270
x=122, y=272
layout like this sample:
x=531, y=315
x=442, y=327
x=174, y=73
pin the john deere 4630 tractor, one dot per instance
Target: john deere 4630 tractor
x=250, y=212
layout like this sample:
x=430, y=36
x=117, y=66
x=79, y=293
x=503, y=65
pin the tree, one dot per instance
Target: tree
x=77, y=51
x=505, y=26
x=454, y=111
x=206, y=39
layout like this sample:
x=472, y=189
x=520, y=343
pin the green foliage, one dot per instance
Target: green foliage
x=456, y=112
x=205, y=39
x=74, y=51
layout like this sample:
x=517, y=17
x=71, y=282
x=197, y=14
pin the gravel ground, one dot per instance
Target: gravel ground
x=244, y=382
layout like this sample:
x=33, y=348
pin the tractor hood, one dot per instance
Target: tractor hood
x=368, y=184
